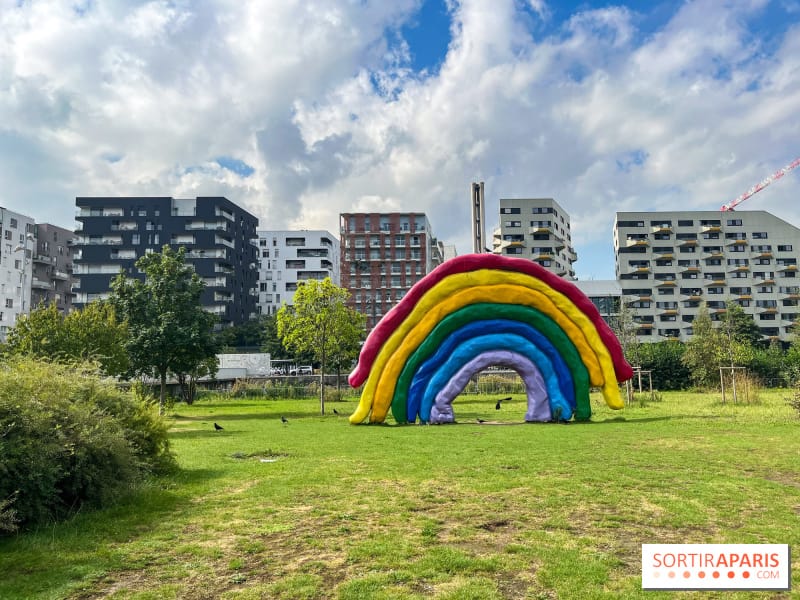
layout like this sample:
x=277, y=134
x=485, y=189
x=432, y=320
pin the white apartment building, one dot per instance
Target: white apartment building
x=16, y=267
x=537, y=229
x=287, y=258
x=669, y=263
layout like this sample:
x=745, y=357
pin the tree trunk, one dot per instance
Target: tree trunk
x=162, y=397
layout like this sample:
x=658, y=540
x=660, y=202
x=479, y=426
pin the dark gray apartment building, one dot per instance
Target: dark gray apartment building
x=114, y=232
x=52, y=279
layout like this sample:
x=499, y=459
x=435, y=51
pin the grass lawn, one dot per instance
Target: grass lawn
x=318, y=508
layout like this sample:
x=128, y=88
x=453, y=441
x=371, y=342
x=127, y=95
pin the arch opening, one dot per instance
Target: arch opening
x=538, y=399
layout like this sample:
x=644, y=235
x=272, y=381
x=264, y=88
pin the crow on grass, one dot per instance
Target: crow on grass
x=218, y=427
x=284, y=420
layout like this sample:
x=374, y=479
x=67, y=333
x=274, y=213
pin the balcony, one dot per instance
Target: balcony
x=539, y=229
x=105, y=241
x=710, y=228
x=101, y=212
x=60, y=275
x=44, y=259
x=633, y=243
x=740, y=269
x=737, y=243
x=661, y=229
x=41, y=285
x=127, y=226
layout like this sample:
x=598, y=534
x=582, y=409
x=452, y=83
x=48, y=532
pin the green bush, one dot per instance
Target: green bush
x=70, y=439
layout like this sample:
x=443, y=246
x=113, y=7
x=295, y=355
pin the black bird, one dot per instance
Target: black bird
x=284, y=420
x=506, y=399
x=218, y=427
x=480, y=420
x=336, y=412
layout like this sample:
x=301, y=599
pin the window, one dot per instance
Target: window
x=784, y=248
x=135, y=239
x=734, y=222
x=685, y=223
x=13, y=223
x=630, y=223
x=9, y=303
x=759, y=235
x=7, y=234
x=511, y=211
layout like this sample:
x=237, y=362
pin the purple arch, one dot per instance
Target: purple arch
x=535, y=388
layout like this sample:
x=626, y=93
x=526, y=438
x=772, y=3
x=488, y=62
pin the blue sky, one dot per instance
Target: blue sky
x=302, y=110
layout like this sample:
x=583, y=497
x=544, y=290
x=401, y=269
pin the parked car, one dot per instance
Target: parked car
x=301, y=370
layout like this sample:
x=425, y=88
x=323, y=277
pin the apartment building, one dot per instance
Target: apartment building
x=605, y=294
x=537, y=229
x=217, y=234
x=669, y=263
x=382, y=256
x=287, y=258
x=52, y=279
x=17, y=232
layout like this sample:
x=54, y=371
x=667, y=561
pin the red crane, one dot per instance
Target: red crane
x=761, y=185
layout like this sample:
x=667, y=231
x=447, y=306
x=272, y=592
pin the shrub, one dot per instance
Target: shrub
x=70, y=439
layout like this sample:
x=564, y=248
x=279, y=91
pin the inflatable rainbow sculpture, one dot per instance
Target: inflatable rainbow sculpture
x=479, y=310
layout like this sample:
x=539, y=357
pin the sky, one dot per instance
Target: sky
x=299, y=110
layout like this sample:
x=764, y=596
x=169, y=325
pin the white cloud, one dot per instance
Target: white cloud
x=319, y=99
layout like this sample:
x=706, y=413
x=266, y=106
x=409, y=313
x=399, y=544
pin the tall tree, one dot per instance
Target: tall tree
x=625, y=328
x=169, y=332
x=739, y=327
x=704, y=352
x=93, y=333
x=320, y=322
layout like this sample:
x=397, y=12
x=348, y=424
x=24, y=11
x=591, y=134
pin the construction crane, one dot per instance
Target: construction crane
x=761, y=185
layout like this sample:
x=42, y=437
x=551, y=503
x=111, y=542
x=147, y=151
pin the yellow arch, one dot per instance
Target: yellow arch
x=505, y=282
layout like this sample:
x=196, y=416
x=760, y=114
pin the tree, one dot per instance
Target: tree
x=664, y=361
x=271, y=341
x=91, y=334
x=246, y=335
x=704, y=351
x=320, y=322
x=625, y=327
x=169, y=332
x=740, y=327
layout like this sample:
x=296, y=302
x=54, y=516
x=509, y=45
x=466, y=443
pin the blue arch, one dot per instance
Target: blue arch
x=422, y=376
x=462, y=353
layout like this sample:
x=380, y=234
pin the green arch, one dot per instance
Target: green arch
x=487, y=310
